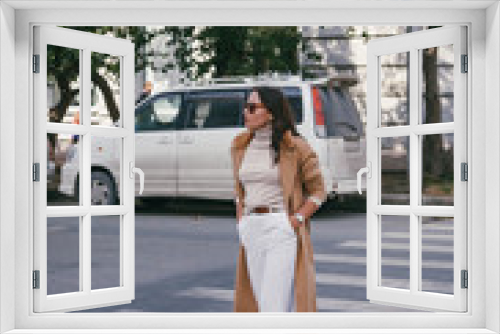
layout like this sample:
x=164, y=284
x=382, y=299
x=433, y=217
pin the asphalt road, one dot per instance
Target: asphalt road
x=186, y=254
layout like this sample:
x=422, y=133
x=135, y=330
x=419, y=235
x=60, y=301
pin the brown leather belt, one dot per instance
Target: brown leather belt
x=265, y=209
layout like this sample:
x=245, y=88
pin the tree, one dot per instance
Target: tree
x=230, y=51
x=63, y=67
x=436, y=160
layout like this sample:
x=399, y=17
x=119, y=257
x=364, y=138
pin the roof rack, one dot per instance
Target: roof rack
x=338, y=80
x=265, y=77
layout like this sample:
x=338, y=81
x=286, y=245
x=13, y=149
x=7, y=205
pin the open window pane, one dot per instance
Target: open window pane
x=437, y=254
x=106, y=170
x=63, y=156
x=394, y=73
x=395, y=171
x=63, y=84
x=107, y=86
x=63, y=255
x=395, y=251
x=437, y=169
x=106, y=236
x=437, y=84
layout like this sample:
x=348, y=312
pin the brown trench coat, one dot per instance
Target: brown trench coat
x=300, y=177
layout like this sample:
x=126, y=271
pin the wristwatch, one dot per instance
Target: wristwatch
x=299, y=217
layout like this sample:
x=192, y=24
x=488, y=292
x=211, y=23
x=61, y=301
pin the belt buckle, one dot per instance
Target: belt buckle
x=262, y=209
x=256, y=210
x=271, y=209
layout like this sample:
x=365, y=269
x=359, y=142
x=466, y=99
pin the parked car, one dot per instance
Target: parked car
x=183, y=138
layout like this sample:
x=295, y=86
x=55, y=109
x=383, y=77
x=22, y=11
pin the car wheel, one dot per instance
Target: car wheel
x=102, y=189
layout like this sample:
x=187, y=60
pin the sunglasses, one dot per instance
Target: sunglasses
x=251, y=107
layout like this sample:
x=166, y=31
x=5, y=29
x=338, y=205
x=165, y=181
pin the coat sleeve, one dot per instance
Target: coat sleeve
x=312, y=177
x=237, y=190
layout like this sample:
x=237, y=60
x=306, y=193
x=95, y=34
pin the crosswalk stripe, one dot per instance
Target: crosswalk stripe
x=214, y=293
x=424, y=236
x=360, y=281
x=446, y=227
x=399, y=246
x=352, y=259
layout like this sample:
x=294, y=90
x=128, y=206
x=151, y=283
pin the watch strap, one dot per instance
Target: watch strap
x=300, y=217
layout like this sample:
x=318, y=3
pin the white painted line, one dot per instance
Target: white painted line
x=200, y=292
x=352, y=259
x=360, y=281
x=399, y=246
x=424, y=236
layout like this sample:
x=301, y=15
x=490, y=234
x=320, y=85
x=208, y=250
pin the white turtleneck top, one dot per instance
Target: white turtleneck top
x=259, y=174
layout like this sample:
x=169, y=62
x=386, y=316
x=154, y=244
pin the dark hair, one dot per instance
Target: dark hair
x=281, y=111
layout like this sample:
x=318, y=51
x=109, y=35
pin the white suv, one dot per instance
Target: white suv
x=183, y=138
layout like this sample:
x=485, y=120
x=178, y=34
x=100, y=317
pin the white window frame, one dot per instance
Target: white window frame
x=483, y=101
x=85, y=44
x=413, y=45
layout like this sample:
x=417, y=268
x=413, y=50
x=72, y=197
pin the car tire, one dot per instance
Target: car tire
x=103, y=188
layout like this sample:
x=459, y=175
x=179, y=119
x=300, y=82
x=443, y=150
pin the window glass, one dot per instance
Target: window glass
x=159, y=113
x=215, y=109
x=341, y=115
x=294, y=96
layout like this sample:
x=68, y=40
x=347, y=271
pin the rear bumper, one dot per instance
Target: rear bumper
x=348, y=186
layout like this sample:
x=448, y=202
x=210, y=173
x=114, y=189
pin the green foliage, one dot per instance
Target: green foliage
x=218, y=51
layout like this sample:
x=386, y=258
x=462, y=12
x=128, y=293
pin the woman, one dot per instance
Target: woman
x=279, y=186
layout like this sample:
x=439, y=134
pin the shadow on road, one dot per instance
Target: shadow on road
x=196, y=206
x=188, y=206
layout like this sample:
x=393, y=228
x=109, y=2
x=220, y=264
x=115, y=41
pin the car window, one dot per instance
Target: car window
x=159, y=113
x=294, y=96
x=341, y=115
x=214, y=109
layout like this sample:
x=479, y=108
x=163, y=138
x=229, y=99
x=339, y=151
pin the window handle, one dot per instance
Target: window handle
x=139, y=171
x=367, y=170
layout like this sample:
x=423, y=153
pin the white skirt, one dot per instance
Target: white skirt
x=270, y=246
